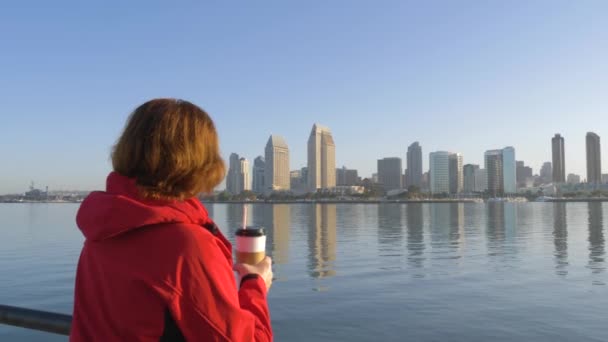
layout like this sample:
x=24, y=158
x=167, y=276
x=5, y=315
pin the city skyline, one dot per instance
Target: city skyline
x=461, y=78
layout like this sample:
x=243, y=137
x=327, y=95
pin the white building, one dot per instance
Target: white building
x=321, y=159
x=446, y=174
x=276, y=176
x=245, y=176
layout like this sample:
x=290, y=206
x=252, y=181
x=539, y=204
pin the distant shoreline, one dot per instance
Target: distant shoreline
x=401, y=201
x=333, y=201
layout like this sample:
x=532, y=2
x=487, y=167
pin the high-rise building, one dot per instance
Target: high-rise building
x=234, y=174
x=346, y=177
x=573, y=179
x=456, y=176
x=276, y=177
x=559, y=161
x=446, y=172
x=546, y=173
x=389, y=173
x=244, y=176
x=501, y=171
x=258, y=175
x=469, y=171
x=295, y=177
x=594, y=159
x=524, y=174
x=509, y=170
x=414, y=165
x=481, y=180
x=321, y=159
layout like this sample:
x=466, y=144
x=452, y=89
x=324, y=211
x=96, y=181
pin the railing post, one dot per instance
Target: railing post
x=37, y=320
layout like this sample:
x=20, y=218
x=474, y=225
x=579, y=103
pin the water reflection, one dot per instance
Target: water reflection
x=415, y=235
x=276, y=221
x=495, y=230
x=560, y=238
x=390, y=229
x=321, y=240
x=596, y=237
x=457, y=225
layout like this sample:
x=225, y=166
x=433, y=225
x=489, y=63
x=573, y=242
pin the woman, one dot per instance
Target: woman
x=154, y=266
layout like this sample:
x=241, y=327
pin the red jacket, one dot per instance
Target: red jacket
x=159, y=270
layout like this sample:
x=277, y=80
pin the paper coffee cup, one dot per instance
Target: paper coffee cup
x=250, y=245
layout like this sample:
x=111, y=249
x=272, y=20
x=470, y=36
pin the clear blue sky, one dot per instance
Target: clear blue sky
x=464, y=76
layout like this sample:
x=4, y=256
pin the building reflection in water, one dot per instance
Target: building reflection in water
x=277, y=219
x=322, y=240
x=457, y=226
x=560, y=238
x=596, y=237
x=495, y=230
x=390, y=229
x=415, y=234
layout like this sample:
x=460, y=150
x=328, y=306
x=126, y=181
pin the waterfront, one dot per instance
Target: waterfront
x=359, y=272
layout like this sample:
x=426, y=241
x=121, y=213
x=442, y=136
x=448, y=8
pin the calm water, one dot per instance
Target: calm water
x=417, y=272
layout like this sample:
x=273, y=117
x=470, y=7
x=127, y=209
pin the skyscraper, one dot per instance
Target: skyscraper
x=446, y=172
x=258, y=175
x=234, y=172
x=524, y=173
x=594, y=159
x=481, y=180
x=321, y=159
x=559, y=162
x=276, y=176
x=414, y=165
x=509, y=172
x=546, y=172
x=456, y=176
x=389, y=173
x=501, y=171
x=244, y=176
x=346, y=177
x=469, y=172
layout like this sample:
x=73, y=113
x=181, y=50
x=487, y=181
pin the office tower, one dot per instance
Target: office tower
x=295, y=177
x=258, y=175
x=346, y=177
x=573, y=179
x=414, y=165
x=501, y=171
x=321, y=159
x=481, y=180
x=524, y=173
x=594, y=159
x=244, y=176
x=234, y=174
x=559, y=161
x=456, y=176
x=276, y=175
x=446, y=172
x=469, y=171
x=509, y=170
x=389, y=173
x=546, y=173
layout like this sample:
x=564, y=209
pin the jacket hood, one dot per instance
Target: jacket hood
x=119, y=209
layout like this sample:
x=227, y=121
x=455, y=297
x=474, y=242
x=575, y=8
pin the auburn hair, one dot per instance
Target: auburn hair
x=171, y=148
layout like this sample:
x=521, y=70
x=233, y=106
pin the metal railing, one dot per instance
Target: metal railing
x=37, y=320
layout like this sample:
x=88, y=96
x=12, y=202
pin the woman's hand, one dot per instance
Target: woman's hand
x=263, y=269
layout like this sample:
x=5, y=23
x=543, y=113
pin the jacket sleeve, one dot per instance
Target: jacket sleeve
x=207, y=305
